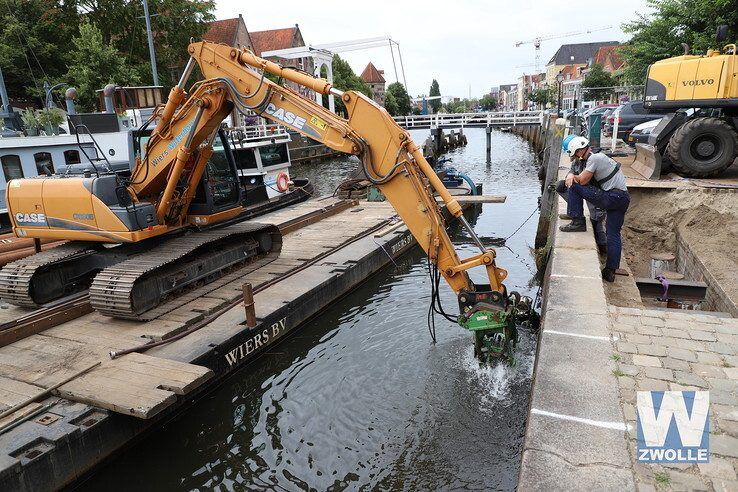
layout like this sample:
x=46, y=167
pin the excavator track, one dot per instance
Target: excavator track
x=143, y=282
x=17, y=279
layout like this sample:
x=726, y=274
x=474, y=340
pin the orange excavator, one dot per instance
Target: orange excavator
x=135, y=241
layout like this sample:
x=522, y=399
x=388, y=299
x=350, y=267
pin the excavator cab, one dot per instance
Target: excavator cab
x=219, y=189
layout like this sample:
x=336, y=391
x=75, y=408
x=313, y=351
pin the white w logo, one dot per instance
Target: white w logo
x=690, y=427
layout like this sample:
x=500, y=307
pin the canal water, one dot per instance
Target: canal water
x=359, y=397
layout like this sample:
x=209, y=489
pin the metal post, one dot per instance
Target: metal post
x=5, y=109
x=614, y=139
x=488, y=132
x=152, y=53
x=248, y=304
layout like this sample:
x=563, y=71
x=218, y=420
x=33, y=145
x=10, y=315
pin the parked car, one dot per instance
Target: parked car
x=600, y=109
x=641, y=132
x=629, y=115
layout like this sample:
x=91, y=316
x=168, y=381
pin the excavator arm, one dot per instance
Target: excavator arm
x=390, y=160
x=177, y=152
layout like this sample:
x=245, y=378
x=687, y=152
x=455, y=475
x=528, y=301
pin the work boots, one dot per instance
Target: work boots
x=608, y=274
x=578, y=224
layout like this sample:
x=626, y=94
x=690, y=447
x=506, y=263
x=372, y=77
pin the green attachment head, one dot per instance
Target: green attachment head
x=495, y=335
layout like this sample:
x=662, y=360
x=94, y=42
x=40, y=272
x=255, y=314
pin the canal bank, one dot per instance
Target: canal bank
x=601, y=344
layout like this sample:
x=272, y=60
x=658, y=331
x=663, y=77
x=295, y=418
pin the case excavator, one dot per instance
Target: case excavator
x=700, y=139
x=136, y=241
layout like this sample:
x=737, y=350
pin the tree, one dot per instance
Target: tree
x=542, y=96
x=659, y=35
x=177, y=21
x=597, y=77
x=435, y=90
x=33, y=44
x=93, y=64
x=488, y=102
x=404, y=104
x=390, y=104
x=345, y=79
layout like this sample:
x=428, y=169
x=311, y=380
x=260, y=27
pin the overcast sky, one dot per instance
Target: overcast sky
x=462, y=43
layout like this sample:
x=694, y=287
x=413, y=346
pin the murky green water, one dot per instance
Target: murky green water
x=359, y=398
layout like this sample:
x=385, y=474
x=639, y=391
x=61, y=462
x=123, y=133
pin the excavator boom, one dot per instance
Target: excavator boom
x=392, y=162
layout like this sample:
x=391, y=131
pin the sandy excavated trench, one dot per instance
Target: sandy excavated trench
x=706, y=218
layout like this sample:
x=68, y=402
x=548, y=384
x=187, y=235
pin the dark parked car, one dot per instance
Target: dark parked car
x=629, y=116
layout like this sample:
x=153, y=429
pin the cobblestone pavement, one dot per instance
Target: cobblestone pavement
x=660, y=351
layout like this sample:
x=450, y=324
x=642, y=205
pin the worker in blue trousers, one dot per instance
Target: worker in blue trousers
x=602, y=184
x=596, y=214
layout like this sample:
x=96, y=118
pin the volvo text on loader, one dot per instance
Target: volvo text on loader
x=700, y=140
x=163, y=241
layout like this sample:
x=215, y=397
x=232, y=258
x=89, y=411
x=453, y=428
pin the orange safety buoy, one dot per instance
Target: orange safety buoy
x=283, y=182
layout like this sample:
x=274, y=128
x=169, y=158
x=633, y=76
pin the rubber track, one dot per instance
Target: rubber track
x=15, y=277
x=110, y=292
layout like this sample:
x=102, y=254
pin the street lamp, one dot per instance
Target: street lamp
x=559, y=79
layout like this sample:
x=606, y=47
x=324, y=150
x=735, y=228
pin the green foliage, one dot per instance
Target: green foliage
x=597, y=77
x=435, y=90
x=488, y=102
x=50, y=117
x=662, y=478
x=28, y=116
x=93, y=64
x=390, y=104
x=36, y=35
x=404, y=103
x=34, y=40
x=459, y=106
x=542, y=96
x=122, y=25
x=417, y=110
x=345, y=79
x=659, y=35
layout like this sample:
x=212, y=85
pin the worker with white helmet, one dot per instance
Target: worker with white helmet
x=596, y=214
x=601, y=183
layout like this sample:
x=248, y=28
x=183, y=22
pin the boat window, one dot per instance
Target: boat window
x=71, y=157
x=273, y=154
x=11, y=167
x=44, y=163
x=245, y=158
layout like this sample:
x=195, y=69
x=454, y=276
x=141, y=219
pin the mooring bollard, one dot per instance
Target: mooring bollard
x=248, y=304
x=488, y=134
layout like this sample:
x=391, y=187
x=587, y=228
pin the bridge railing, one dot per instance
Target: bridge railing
x=493, y=118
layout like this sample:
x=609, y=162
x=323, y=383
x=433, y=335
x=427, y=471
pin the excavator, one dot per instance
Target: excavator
x=137, y=241
x=700, y=140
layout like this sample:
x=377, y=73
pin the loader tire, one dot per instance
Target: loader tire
x=702, y=148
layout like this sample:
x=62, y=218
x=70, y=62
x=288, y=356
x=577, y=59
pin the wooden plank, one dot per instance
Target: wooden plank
x=481, y=198
x=20, y=413
x=169, y=364
x=121, y=397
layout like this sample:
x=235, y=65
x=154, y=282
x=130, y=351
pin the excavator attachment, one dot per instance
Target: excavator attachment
x=492, y=317
x=648, y=161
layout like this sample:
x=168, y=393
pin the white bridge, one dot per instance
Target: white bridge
x=471, y=120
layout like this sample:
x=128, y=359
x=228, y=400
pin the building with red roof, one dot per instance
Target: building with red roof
x=375, y=80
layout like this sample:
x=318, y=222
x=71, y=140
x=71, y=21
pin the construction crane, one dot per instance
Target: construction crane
x=536, y=42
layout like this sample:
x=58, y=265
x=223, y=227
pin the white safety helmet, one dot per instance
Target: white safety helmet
x=577, y=143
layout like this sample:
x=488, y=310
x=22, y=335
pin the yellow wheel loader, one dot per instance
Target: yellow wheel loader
x=700, y=139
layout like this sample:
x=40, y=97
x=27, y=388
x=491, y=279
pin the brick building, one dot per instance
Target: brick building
x=375, y=80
